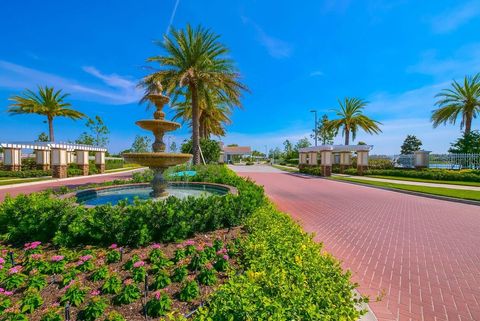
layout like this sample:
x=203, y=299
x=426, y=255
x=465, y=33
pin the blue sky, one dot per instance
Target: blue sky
x=294, y=56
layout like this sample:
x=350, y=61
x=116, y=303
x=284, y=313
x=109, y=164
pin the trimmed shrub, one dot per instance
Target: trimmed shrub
x=284, y=268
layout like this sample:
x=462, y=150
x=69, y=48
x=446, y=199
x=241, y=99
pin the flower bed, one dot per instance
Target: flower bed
x=99, y=281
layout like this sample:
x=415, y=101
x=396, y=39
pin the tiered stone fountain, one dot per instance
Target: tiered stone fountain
x=158, y=160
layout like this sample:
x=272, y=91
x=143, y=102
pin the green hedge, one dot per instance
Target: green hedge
x=286, y=277
x=25, y=174
x=114, y=163
x=41, y=217
x=434, y=174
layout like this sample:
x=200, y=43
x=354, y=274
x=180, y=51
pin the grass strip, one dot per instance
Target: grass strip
x=435, y=181
x=286, y=168
x=448, y=192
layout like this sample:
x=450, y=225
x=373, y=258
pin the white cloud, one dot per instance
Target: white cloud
x=114, y=89
x=454, y=18
x=464, y=61
x=317, y=73
x=276, y=48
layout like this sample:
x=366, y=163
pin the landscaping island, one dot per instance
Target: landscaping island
x=231, y=257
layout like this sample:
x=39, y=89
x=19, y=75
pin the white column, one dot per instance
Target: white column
x=100, y=161
x=82, y=161
x=421, y=159
x=313, y=158
x=12, y=159
x=42, y=158
x=326, y=162
x=362, y=161
x=59, y=163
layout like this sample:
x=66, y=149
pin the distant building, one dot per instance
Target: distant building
x=228, y=153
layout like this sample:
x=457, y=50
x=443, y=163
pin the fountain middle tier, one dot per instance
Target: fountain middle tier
x=158, y=125
x=157, y=160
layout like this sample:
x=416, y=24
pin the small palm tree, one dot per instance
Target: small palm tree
x=195, y=60
x=351, y=119
x=47, y=102
x=460, y=100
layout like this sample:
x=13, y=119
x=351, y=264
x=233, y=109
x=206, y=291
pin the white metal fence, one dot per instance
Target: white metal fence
x=442, y=161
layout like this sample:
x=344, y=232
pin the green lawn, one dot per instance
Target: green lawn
x=455, y=193
x=411, y=179
x=286, y=168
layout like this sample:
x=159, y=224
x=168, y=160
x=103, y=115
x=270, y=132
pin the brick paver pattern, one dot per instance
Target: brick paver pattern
x=419, y=256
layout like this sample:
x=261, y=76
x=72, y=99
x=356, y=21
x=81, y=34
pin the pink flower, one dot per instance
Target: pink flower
x=57, y=258
x=158, y=295
x=156, y=246
x=179, y=246
x=199, y=248
x=138, y=264
x=225, y=257
x=208, y=244
x=95, y=292
x=113, y=246
x=189, y=242
x=36, y=257
x=4, y=252
x=222, y=251
x=69, y=285
x=86, y=258
x=2, y=260
x=31, y=246
x=7, y=293
x=1, y=266
x=14, y=270
x=55, y=304
x=2, y=290
x=209, y=266
x=128, y=282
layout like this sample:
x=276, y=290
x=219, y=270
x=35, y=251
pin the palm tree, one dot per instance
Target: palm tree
x=195, y=60
x=46, y=102
x=214, y=113
x=351, y=119
x=461, y=100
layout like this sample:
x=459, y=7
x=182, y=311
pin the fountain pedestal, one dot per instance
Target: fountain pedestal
x=158, y=160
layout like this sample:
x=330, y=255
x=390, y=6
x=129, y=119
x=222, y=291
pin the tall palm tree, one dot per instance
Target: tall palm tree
x=195, y=60
x=351, y=119
x=460, y=100
x=46, y=102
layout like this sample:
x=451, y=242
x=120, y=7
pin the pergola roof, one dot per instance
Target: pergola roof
x=50, y=145
x=336, y=148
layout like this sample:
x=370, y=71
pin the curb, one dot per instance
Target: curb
x=437, y=197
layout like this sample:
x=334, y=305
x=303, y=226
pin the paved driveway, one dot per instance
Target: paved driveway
x=420, y=256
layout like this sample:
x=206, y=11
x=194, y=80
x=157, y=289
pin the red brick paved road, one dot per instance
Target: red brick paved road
x=71, y=183
x=422, y=254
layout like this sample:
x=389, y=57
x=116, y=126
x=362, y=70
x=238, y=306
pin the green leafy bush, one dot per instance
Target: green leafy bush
x=100, y=274
x=161, y=280
x=25, y=174
x=114, y=316
x=207, y=276
x=431, y=174
x=113, y=256
x=53, y=314
x=129, y=294
x=159, y=305
x=179, y=274
x=31, y=302
x=189, y=292
x=284, y=268
x=94, y=309
x=45, y=218
x=112, y=285
x=74, y=294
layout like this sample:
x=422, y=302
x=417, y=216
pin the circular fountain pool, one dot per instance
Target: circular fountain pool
x=129, y=193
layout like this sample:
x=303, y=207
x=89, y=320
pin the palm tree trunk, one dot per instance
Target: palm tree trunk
x=202, y=127
x=468, y=124
x=195, y=125
x=347, y=136
x=50, y=128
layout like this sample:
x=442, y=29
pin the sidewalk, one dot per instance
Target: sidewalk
x=401, y=182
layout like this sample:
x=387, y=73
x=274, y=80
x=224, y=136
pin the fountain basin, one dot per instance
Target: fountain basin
x=142, y=191
x=157, y=125
x=157, y=160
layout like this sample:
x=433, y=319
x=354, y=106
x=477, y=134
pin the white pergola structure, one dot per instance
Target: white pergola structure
x=309, y=156
x=54, y=156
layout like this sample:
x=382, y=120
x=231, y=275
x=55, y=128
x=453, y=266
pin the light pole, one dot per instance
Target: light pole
x=315, y=128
